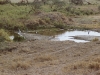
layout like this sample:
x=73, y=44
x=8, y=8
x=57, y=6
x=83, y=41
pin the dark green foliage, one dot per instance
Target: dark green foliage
x=59, y=25
x=19, y=38
x=59, y=4
x=4, y=2
x=37, y=4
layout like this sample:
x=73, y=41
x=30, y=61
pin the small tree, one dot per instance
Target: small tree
x=5, y=1
x=58, y=4
x=37, y=4
x=44, y=1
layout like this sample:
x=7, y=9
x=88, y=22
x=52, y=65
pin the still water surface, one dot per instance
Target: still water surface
x=69, y=35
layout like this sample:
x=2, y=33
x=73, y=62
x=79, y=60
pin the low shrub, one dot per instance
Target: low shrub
x=10, y=24
x=95, y=39
x=19, y=38
x=4, y=36
x=59, y=25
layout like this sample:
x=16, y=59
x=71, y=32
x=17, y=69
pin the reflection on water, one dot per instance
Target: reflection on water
x=69, y=35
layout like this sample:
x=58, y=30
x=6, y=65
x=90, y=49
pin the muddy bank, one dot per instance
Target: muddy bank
x=30, y=36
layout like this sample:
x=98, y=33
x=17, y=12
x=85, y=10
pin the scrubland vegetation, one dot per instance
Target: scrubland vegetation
x=45, y=14
x=14, y=16
x=46, y=57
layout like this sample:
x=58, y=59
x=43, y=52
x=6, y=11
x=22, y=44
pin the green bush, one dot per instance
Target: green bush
x=4, y=36
x=59, y=25
x=95, y=39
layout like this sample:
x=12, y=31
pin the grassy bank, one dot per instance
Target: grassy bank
x=14, y=17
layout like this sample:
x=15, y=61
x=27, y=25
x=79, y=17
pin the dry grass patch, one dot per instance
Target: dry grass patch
x=92, y=26
x=87, y=26
x=95, y=39
x=84, y=65
x=15, y=63
x=97, y=59
x=20, y=62
x=93, y=65
x=43, y=58
x=24, y=65
x=44, y=61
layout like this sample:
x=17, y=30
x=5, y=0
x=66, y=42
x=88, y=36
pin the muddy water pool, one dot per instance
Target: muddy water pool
x=82, y=36
x=69, y=35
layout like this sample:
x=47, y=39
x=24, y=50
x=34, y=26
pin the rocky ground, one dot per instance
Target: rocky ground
x=43, y=57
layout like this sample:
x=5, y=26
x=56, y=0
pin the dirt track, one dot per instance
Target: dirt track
x=48, y=58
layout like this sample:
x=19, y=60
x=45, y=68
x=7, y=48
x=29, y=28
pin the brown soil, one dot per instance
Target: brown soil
x=50, y=58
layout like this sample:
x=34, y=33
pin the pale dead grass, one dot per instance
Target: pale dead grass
x=97, y=59
x=20, y=62
x=88, y=26
x=95, y=39
x=91, y=64
x=43, y=58
x=15, y=63
x=44, y=61
x=24, y=65
x=92, y=26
